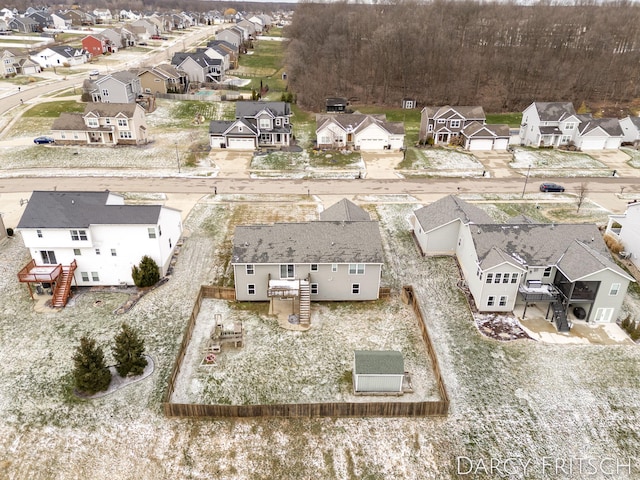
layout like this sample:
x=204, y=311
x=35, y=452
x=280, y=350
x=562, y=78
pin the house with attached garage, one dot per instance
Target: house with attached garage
x=358, y=132
x=199, y=67
x=102, y=124
x=565, y=268
x=337, y=259
x=553, y=124
x=92, y=238
x=117, y=87
x=257, y=125
x=15, y=61
x=60, y=56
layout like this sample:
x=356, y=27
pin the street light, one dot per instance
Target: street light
x=526, y=179
x=177, y=157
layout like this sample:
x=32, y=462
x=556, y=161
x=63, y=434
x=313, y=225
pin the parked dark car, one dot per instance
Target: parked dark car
x=43, y=140
x=551, y=187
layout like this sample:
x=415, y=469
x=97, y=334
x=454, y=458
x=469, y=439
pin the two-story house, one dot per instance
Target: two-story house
x=359, y=132
x=102, y=124
x=14, y=61
x=445, y=123
x=337, y=258
x=93, y=238
x=163, y=78
x=565, y=267
x=626, y=229
x=199, y=67
x=117, y=87
x=552, y=124
x=60, y=56
x=232, y=35
x=97, y=44
x=257, y=125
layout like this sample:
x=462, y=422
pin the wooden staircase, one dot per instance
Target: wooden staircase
x=560, y=317
x=63, y=285
x=305, y=302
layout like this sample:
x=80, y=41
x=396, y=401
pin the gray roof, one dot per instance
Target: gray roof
x=344, y=210
x=542, y=244
x=61, y=209
x=448, y=209
x=219, y=126
x=380, y=362
x=111, y=109
x=477, y=129
x=250, y=109
x=447, y=111
x=580, y=260
x=358, y=121
x=611, y=126
x=554, y=111
x=308, y=242
x=69, y=121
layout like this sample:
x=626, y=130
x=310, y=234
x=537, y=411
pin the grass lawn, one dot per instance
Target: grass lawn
x=512, y=119
x=266, y=58
x=54, y=109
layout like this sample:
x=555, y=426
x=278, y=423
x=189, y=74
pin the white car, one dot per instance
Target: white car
x=94, y=73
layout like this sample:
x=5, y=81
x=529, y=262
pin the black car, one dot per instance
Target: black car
x=551, y=187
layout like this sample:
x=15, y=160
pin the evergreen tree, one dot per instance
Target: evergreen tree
x=147, y=273
x=90, y=374
x=128, y=352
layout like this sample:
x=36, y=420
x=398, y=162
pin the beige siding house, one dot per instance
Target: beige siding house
x=102, y=124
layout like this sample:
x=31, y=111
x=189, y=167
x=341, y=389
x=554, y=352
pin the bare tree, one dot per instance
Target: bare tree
x=582, y=194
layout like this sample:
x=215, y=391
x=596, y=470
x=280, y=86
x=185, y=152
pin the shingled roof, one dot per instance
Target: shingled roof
x=308, y=242
x=345, y=210
x=60, y=209
x=447, y=210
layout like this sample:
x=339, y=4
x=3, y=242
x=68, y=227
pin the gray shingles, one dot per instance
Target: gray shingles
x=309, y=242
x=344, y=210
x=381, y=362
x=448, y=209
x=80, y=209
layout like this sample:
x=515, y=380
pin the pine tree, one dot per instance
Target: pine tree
x=90, y=374
x=147, y=273
x=128, y=352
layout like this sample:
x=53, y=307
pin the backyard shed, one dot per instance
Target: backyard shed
x=378, y=371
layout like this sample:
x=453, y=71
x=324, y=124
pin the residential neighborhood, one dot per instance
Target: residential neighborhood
x=327, y=278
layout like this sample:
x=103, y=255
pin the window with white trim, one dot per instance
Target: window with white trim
x=615, y=288
x=355, y=288
x=251, y=289
x=514, y=278
x=356, y=269
x=114, y=253
x=503, y=301
x=39, y=233
x=264, y=123
x=85, y=276
x=92, y=122
x=489, y=277
x=76, y=252
x=125, y=135
x=250, y=269
x=454, y=124
x=314, y=289
x=288, y=271
x=78, y=235
x=498, y=277
x=314, y=267
x=547, y=272
x=505, y=278
x=123, y=122
x=491, y=300
x=334, y=267
x=97, y=251
x=95, y=277
x=152, y=232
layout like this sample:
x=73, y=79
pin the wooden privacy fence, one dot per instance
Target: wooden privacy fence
x=293, y=410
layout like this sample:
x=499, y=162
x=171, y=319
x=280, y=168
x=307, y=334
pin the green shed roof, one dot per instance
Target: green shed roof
x=378, y=362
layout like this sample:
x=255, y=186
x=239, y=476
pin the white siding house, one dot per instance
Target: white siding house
x=96, y=230
x=360, y=132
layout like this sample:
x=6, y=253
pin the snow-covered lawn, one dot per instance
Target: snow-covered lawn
x=328, y=165
x=557, y=163
x=441, y=162
x=522, y=400
x=635, y=156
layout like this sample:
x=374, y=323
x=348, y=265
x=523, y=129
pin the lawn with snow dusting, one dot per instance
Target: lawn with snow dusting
x=509, y=400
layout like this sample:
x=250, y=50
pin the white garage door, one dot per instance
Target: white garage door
x=373, y=143
x=592, y=144
x=242, y=143
x=481, y=144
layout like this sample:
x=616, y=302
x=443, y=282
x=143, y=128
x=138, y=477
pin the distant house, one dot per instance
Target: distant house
x=336, y=105
x=93, y=238
x=59, y=56
x=163, y=78
x=103, y=15
x=553, y=124
x=117, y=87
x=378, y=371
x=97, y=44
x=199, y=67
x=14, y=61
x=257, y=125
x=360, y=132
x=42, y=18
x=231, y=35
x=24, y=25
x=102, y=124
x=564, y=267
x=80, y=18
x=408, y=103
x=60, y=21
x=325, y=260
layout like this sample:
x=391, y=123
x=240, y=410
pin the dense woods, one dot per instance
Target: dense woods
x=500, y=56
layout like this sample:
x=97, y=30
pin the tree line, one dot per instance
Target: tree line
x=502, y=56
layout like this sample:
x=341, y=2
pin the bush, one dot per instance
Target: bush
x=613, y=244
x=128, y=352
x=626, y=322
x=147, y=273
x=90, y=373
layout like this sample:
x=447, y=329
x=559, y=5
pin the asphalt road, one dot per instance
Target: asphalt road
x=314, y=187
